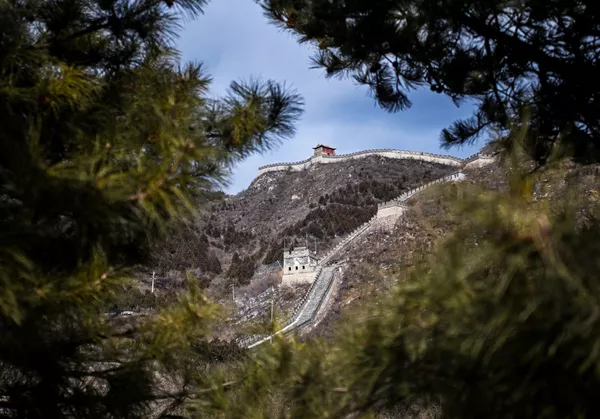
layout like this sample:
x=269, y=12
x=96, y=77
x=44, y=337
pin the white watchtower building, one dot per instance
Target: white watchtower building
x=299, y=266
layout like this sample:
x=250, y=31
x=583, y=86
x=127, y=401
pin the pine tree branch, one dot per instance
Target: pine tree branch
x=486, y=31
x=191, y=394
x=100, y=24
x=97, y=374
x=6, y=404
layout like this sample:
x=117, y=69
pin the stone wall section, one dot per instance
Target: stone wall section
x=476, y=160
x=480, y=161
x=389, y=153
x=299, y=278
x=325, y=304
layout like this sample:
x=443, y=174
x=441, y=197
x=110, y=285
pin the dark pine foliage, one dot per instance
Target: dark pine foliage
x=525, y=63
x=241, y=268
x=105, y=138
x=335, y=220
x=184, y=248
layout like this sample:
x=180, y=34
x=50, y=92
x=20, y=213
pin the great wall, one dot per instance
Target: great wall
x=387, y=214
x=388, y=153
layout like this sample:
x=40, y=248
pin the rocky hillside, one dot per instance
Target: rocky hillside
x=323, y=202
x=238, y=234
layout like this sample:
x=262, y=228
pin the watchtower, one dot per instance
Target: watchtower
x=299, y=265
x=324, y=150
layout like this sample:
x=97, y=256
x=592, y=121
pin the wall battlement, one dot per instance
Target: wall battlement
x=389, y=153
x=448, y=160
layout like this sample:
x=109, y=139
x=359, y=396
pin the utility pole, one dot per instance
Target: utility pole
x=233, y=291
x=153, y=273
x=272, y=300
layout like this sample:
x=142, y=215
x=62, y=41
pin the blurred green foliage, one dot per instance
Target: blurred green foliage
x=105, y=139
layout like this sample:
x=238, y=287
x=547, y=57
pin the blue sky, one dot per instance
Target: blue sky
x=234, y=41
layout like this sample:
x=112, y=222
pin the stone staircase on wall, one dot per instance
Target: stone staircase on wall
x=309, y=306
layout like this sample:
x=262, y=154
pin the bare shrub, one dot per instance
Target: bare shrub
x=185, y=248
x=262, y=283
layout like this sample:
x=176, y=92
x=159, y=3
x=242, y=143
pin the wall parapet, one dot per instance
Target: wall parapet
x=479, y=160
x=285, y=165
x=477, y=156
x=383, y=152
